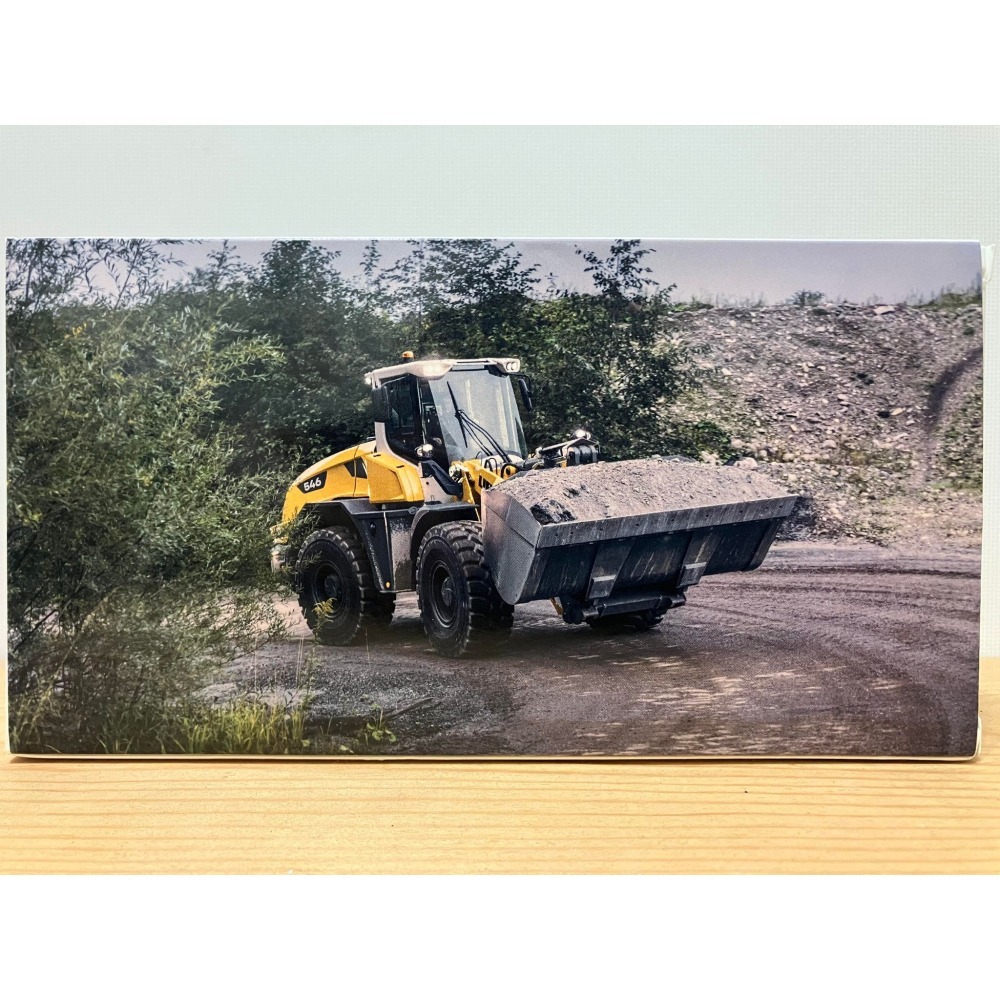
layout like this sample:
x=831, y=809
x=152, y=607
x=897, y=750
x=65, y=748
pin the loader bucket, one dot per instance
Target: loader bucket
x=622, y=536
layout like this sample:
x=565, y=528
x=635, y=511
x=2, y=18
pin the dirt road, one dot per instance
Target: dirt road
x=825, y=650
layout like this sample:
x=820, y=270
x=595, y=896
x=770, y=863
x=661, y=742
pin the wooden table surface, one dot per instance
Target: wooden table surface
x=121, y=815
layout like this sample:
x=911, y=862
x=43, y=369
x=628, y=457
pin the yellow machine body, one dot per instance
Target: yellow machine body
x=360, y=471
x=380, y=478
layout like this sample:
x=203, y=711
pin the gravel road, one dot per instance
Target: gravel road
x=826, y=650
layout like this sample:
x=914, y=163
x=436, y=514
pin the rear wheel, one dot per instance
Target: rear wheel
x=336, y=589
x=462, y=612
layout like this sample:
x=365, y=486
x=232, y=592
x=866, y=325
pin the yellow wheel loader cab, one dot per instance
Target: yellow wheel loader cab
x=431, y=504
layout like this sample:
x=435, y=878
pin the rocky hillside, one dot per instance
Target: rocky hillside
x=874, y=413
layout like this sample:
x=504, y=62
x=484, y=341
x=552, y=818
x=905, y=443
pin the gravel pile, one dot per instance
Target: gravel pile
x=618, y=489
x=872, y=412
x=840, y=381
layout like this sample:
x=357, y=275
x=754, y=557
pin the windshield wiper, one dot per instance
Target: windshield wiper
x=458, y=415
x=478, y=431
x=498, y=448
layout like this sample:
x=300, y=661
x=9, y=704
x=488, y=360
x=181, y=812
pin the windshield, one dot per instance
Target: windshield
x=487, y=416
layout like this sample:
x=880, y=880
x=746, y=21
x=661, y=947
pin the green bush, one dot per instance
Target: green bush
x=804, y=297
x=137, y=558
x=951, y=298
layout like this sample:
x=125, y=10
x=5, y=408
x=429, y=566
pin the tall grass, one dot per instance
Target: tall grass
x=245, y=726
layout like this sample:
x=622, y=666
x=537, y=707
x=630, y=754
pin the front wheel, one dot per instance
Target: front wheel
x=460, y=607
x=335, y=586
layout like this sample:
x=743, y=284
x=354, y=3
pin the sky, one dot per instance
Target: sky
x=721, y=271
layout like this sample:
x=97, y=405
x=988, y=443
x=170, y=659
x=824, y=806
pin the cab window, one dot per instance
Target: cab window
x=434, y=434
x=402, y=429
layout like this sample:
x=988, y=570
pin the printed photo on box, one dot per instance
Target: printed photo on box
x=494, y=498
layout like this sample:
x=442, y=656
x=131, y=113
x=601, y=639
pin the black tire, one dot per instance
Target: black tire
x=639, y=621
x=336, y=589
x=462, y=612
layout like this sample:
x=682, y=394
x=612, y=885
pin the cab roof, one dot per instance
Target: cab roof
x=437, y=367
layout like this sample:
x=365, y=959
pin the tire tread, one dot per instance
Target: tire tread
x=490, y=617
x=376, y=608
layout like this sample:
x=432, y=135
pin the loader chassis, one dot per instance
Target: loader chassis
x=391, y=533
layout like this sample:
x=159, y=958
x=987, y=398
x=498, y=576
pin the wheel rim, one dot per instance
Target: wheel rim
x=330, y=593
x=444, y=597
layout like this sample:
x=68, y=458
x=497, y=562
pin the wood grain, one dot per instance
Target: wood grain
x=121, y=815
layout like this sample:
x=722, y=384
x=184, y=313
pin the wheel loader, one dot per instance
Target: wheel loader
x=446, y=500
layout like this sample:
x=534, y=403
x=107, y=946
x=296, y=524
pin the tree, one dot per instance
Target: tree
x=601, y=360
x=137, y=559
x=463, y=298
x=45, y=273
x=605, y=361
x=327, y=334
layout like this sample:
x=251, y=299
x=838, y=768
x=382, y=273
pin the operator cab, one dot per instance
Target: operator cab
x=450, y=411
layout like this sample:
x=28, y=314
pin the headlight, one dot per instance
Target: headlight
x=505, y=366
x=580, y=453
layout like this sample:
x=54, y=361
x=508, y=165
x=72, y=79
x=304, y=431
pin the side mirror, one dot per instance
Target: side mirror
x=380, y=405
x=525, y=387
